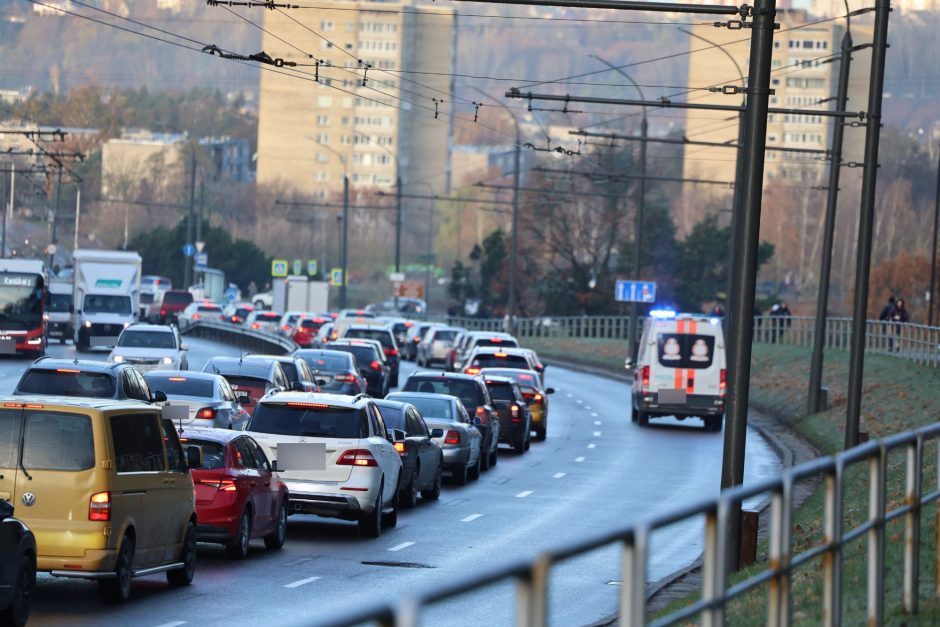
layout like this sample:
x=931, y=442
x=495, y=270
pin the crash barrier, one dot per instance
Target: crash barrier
x=820, y=564
x=914, y=342
x=234, y=335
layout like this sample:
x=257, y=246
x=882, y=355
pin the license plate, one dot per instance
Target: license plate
x=311, y=456
x=7, y=346
x=672, y=397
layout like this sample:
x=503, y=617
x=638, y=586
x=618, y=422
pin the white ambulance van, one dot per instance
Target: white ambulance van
x=680, y=369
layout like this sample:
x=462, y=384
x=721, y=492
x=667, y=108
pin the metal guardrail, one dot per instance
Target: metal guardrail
x=234, y=335
x=532, y=577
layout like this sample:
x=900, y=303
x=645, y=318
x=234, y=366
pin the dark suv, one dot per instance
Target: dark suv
x=85, y=379
x=251, y=377
x=386, y=337
x=17, y=568
x=472, y=392
x=371, y=363
x=167, y=305
x=514, y=415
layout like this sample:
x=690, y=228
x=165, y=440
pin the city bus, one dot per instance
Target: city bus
x=22, y=306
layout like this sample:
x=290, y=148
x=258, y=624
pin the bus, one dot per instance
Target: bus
x=22, y=306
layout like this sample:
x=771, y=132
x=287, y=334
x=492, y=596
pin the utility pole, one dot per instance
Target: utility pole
x=55, y=215
x=398, y=217
x=188, y=267
x=866, y=222
x=345, y=243
x=814, y=397
x=430, y=257
x=202, y=209
x=933, y=250
x=514, y=237
x=78, y=213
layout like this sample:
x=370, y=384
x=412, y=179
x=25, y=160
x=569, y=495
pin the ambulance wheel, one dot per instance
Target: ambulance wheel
x=642, y=417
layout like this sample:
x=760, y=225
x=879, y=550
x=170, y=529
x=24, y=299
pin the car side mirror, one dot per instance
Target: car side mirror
x=297, y=386
x=396, y=435
x=476, y=422
x=549, y=390
x=243, y=400
x=193, y=457
x=184, y=347
x=628, y=364
x=158, y=397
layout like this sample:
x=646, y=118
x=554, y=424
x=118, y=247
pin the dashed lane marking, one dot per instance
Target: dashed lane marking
x=302, y=582
x=524, y=494
x=578, y=401
x=558, y=475
x=579, y=459
x=597, y=423
x=175, y=623
x=470, y=518
x=399, y=547
x=592, y=445
x=594, y=414
x=597, y=434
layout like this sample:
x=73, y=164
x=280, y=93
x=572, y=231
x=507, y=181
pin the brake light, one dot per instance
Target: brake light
x=237, y=319
x=224, y=485
x=375, y=365
x=206, y=413
x=346, y=378
x=452, y=437
x=481, y=414
x=400, y=447
x=391, y=352
x=515, y=414
x=472, y=370
x=99, y=507
x=197, y=316
x=499, y=354
x=67, y=370
x=416, y=339
x=177, y=378
x=356, y=457
x=645, y=374
x=255, y=325
x=690, y=384
x=319, y=320
x=163, y=311
x=723, y=382
x=309, y=405
x=497, y=340
x=13, y=405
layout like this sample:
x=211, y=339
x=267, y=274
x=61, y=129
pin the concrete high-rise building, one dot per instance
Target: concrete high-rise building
x=803, y=76
x=384, y=68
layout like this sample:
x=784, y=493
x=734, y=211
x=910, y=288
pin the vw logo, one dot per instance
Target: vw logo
x=29, y=499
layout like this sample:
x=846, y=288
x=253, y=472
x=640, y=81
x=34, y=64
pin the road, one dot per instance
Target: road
x=596, y=471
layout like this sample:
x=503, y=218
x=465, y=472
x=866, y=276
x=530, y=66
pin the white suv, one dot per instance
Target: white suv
x=335, y=455
x=150, y=347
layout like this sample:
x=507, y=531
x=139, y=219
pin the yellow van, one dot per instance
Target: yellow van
x=105, y=487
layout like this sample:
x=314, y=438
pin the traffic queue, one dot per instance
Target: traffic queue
x=119, y=469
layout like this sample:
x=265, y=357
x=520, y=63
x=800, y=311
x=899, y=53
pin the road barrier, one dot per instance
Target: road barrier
x=234, y=335
x=532, y=577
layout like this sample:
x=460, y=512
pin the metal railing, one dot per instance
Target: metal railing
x=234, y=335
x=532, y=577
x=914, y=342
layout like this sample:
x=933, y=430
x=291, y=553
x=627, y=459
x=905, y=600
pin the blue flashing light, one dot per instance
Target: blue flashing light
x=715, y=320
x=662, y=314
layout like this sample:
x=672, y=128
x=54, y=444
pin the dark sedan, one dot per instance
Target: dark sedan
x=422, y=458
x=17, y=568
x=335, y=371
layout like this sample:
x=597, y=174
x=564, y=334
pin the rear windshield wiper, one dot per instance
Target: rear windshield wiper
x=23, y=452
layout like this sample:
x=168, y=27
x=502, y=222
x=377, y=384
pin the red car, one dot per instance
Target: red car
x=238, y=497
x=306, y=330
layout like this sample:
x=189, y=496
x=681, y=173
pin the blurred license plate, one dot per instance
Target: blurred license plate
x=291, y=456
x=7, y=345
x=671, y=397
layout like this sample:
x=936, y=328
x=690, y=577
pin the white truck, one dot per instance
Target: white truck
x=59, y=310
x=106, y=296
x=297, y=293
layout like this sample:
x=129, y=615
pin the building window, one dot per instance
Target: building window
x=323, y=177
x=324, y=101
x=322, y=138
x=322, y=157
x=349, y=46
x=808, y=44
x=347, y=102
x=323, y=120
x=326, y=25
x=344, y=140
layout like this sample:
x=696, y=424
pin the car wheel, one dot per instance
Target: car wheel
x=410, y=492
x=394, y=383
x=528, y=440
x=370, y=524
x=540, y=434
x=21, y=602
x=275, y=540
x=642, y=418
x=238, y=548
x=485, y=458
x=494, y=457
x=184, y=576
x=461, y=474
x=434, y=493
x=118, y=589
x=391, y=518
x=474, y=471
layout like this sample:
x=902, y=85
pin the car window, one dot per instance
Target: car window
x=421, y=429
x=500, y=360
x=382, y=335
x=685, y=350
x=59, y=303
x=213, y=453
x=281, y=379
x=175, y=458
x=225, y=391
x=9, y=437
x=290, y=369
x=464, y=416
x=147, y=339
x=431, y=407
x=378, y=425
x=306, y=373
x=393, y=418
x=57, y=441
x=67, y=382
x=138, y=443
x=466, y=390
x=177, y=298
x=260, y=458
x=180, y=386
x=501, y=392
x=131, y=387
x=244, y=454
x=142, y=384
x=307, y=419
x=106, y=303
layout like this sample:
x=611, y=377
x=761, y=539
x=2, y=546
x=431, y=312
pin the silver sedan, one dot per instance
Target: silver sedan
x=452, y=428
x=208, y=397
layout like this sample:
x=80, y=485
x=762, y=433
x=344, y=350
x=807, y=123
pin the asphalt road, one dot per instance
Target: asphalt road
x=596, y=471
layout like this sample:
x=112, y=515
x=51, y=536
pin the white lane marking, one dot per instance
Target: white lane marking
x=578, y=401
x=592, y=445
x=301, y=582
x=597, y=423
x=578, y=459
x=569, y=394
x=471, y=518
x=597, y=434
x=587, y=407
x=399, y=547
x=558, y=475
x=594, y=415
x=175, y=623
x=522, y=495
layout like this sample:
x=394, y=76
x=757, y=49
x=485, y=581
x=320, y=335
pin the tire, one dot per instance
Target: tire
x=642, y=418
x=394, y=382
x=370, y=525
x=238, y=548
x=21, y=602
x=409, y=496
x=540, y=434
x=184, y=576
x=528, y=440
x=474, y=471
x=434, y=493
x=390, y=519
x=484, y=457
x=275, y=540
x=494, y=457
x=520, y=447
x=461, y=475
x=118, y=589
x=713, y=423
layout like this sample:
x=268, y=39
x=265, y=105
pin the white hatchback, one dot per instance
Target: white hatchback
x=150, y=347
x=335, y=454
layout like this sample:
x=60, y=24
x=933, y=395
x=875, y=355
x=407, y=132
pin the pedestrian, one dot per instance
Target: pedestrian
x=252, y=290
x=773, y=322
x=785, y=318
x=717, y=311
x=885, y=317
x=900, y=317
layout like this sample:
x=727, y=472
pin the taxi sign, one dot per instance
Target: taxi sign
x=279, y=268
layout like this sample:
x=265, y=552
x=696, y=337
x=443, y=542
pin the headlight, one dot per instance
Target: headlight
x=127, y=324
x=168, y=360
x=88, y=324
x=118, y=359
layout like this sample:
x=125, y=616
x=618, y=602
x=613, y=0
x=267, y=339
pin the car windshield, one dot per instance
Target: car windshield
x=311, y=324
x=107, y=303
x=364, y=354
x=488, y=360
x=147, y=339
x=685, y=350
x=501, y=392
x=430, y=407
x=213, y=453
x=59, y=303
x=393, y=416
x=181, y=386
x=20, y=301
x=210, y=308
x=466, y=391
x=67, y=382
x=249, y=386
x=324, y=362
x=268, y=317
x=290, y=369
x=519, y=376
x=496, y=341
x=307, y=419
x=382, y=335
x=177, y=298
x=445, y=336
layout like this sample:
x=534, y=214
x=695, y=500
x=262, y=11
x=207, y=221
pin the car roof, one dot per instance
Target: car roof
x=143, y=326
x=498, y=380
x=85, y=365
x=284, y=359
x=499, y=334
x=485, y=372
x=432, y=374
x=381, y=326
x=189, y=374
x=442, y=397
x=483, y=350
x=75, y=401
x=335, y=400
x=356, y=341
x=208, y=433
x=241, y=365
x=388, y=402
x=320, y=351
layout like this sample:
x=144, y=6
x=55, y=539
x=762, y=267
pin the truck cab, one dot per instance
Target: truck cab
x=59, y=310
x=106, y=296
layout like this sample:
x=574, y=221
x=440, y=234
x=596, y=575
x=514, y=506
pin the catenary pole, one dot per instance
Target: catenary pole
x=345, y=244
x=933, y=250
x=188, y=259
x=866, y=223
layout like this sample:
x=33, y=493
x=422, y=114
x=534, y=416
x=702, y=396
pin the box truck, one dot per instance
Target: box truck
x=105, y=297
x=297, y=293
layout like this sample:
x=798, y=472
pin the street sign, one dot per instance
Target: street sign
x=202, y=260
x=50, y=250
x=189, y=250
x=298, y=267
x=635, y=291
x=396, y=277
x=336, y=276
x=409, y=289
x=200, y=246
x=312, y=267
x=279, y=268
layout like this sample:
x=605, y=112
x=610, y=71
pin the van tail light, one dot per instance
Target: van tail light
x=237, y=319
x=224, y=485
x=255, y=325
x=375, y=365
x=452, y=437
x=163, y=311
x=472, y=370
x=481, y=414
x=356, y=457
x=206, y=413
x=391, y=352
x=99, y=506
x=286, y=327
x=515, y=413
x=690, y=384
x=645, y=374
x=723, y=382
x=539, y=398
x=197, y=316
x=399, y=447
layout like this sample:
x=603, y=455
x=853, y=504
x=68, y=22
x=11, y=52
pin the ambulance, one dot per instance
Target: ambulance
x=680, y=369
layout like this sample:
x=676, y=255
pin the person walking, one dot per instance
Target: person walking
x=781, y=321
x=899, y=317
x=885, y=317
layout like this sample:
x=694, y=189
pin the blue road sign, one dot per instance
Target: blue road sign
x=635, y=291
x=202, y=260
x=189, y=250
x=312, y=267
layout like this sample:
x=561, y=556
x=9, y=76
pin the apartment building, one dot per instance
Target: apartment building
x=363, y=104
